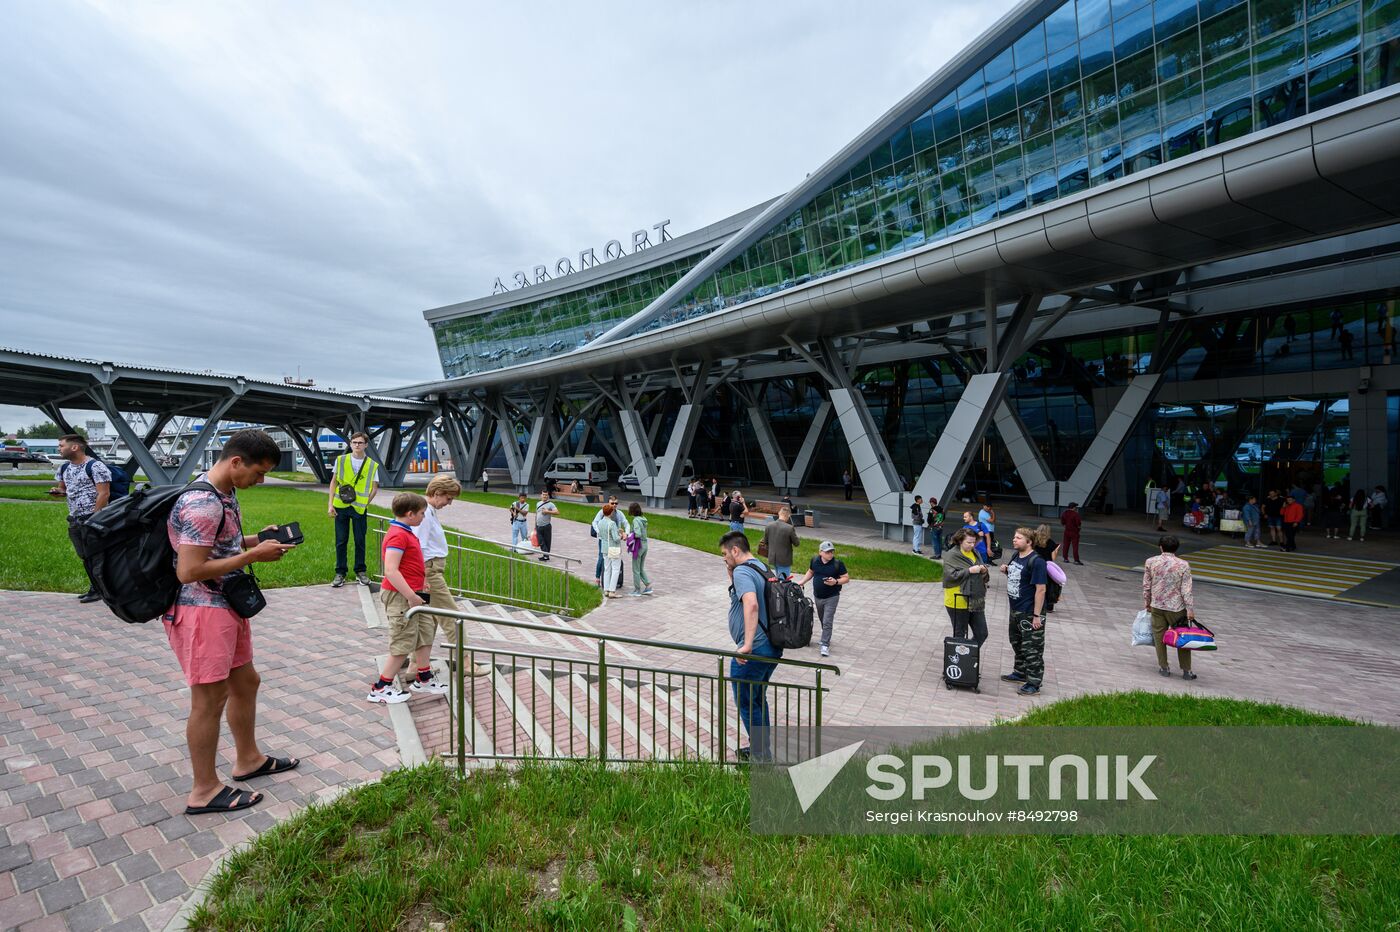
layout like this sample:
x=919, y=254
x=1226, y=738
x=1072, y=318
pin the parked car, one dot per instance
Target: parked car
x=628, y=480
x=20, y=459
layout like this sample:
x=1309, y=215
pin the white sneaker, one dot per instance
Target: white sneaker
x=431, y=687
x=826, y=651
x=389, y=695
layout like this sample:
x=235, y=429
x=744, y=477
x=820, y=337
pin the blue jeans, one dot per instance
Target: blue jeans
x=347, y=519
x=782, y=570
x=918, y=537
x=935, y=537
x=736, y=525
x=519, y=530
x=750, y=682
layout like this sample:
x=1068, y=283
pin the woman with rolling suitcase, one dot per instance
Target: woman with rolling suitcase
x=965, y=587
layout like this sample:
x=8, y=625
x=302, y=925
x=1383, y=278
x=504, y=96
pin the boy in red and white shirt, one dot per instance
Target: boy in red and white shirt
x=404, y=587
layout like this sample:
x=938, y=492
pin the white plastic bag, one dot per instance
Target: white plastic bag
x=1142, y=629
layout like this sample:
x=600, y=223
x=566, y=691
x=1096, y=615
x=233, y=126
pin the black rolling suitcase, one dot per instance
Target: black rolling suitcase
x=961, y=664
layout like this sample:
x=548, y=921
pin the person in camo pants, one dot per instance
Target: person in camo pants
x=1026, y=582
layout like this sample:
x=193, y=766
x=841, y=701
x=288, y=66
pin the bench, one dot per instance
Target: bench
x=766, y=508
x=589, y=494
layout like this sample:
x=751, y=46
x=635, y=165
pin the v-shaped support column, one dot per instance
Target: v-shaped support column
x=961, y=438
x=657, y=476
x=788, y=480
x=867, y=448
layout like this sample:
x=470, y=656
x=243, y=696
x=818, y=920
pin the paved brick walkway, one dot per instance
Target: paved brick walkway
x=93, y=770
x=92, y=763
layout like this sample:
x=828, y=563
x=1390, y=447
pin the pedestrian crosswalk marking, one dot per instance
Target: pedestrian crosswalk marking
x=1304, y=573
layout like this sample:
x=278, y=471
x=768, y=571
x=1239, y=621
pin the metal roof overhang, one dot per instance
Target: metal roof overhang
x=33, y=379
x=1332, y=172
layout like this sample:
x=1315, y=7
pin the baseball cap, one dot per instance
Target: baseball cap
x=827, y=546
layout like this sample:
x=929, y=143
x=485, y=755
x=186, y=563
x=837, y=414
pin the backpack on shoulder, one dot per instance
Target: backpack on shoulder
x=120, y=484
x=126, y=549
x=790, y=612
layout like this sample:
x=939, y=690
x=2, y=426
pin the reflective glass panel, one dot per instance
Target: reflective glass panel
x=1172, y=16
x=1093, y=16
x=999, y=67
x=1061, y=28
x=1096, y=51
x=1030, y=48
x=1225, y=33
x=1271, y=16
x=1137, y=73
x=1133, y=34
x=1035, y=117
x=1032, y=83
x=1064, y=66
x=1179, y=54
x=1040, y=153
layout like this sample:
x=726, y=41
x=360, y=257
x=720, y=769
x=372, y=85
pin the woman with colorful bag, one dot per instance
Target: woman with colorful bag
x=965, y=586
x=1166, y=593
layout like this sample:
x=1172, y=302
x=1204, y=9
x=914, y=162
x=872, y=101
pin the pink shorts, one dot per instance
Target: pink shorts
x=208, y=641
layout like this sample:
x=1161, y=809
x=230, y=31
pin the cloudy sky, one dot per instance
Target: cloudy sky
x=260, y=187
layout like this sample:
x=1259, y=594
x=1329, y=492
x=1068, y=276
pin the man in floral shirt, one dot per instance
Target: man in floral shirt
x=87, y=484
x=212, y=642
x=1166, y=593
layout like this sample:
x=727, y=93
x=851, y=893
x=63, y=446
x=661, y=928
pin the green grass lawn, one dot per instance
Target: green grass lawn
x=293, y=476
x=863, y=562
x=39, y=557
x=580, y=847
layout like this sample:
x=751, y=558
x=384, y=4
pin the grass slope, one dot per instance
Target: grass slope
x=863, y=562
x=577, y=846
x=39, y=557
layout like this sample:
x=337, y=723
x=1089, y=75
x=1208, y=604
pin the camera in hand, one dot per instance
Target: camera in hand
x=283, y=533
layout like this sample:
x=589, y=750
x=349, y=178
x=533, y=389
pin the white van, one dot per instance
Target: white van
x=629, y=481
x=588, y=470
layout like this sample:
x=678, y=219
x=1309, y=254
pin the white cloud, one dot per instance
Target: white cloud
x=252, y=187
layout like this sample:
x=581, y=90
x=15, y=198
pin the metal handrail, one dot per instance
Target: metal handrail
x=381, y=522
x=599, y=716
x=620, y=638
x=459, y=545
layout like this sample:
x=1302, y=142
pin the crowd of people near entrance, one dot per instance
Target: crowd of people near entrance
x=1274, y=517
x=213, y=645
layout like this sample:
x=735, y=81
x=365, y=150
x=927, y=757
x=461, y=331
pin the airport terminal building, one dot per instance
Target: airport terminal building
x=1111, y=242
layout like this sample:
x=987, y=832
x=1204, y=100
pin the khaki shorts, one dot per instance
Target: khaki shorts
x=440, y=596
x=406, y=636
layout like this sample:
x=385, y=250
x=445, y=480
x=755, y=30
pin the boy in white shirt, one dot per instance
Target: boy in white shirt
x=442, y=490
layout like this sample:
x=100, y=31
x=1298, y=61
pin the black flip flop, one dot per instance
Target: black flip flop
x=227, y=800
x=270, y=766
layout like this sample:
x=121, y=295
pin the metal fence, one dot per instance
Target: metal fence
x=496, y=572
x=616, y=709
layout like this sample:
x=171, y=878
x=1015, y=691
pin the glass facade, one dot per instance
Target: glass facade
x=550, y=326
x=1242, y=441
x=1096, y=91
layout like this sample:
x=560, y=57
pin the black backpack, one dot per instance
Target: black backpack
x=126, y=549
x=120, y=484
x=790, y=612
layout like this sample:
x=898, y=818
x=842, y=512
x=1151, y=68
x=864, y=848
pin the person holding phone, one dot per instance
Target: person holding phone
x=213, y=644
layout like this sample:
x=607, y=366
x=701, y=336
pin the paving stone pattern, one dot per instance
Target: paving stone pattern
x=93, y=767
x=93, y=773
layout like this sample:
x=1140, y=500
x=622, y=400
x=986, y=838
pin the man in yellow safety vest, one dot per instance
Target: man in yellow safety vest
x=354, y=483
